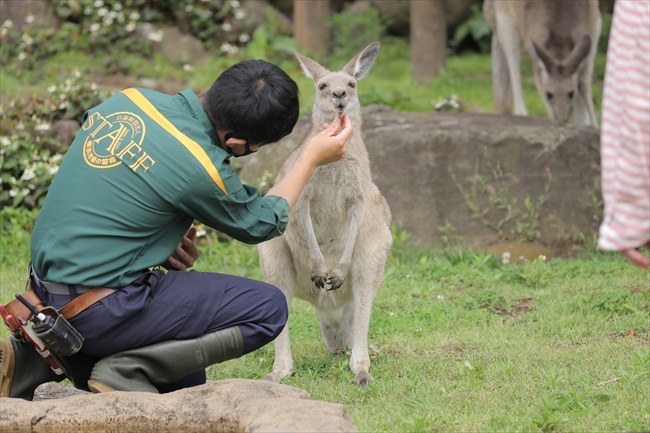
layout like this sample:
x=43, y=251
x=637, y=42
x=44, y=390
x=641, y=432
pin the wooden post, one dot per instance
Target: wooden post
x=428, y=38
x=310, y=24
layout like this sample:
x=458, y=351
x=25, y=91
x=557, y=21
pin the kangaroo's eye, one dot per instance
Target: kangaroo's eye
x=322, y=86
x=549, y=96
x=352, y=85
x=571, y=95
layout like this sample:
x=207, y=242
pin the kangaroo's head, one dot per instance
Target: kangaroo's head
x=558, y=80
x=336, y=92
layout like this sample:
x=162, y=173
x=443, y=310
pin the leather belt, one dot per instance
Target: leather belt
x=16, y=309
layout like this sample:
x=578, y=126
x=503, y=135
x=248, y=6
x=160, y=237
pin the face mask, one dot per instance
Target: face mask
x=247, y=149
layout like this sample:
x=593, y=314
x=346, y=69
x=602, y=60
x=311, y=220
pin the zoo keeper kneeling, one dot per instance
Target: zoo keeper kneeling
x=114, y=238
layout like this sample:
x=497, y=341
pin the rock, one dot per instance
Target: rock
x=234, y=405
x=258, y=13
x=473, y=179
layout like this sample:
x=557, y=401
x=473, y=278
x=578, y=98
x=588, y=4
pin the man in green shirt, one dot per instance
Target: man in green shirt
x=142, y=168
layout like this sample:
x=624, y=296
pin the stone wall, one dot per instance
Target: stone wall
x=474, y=179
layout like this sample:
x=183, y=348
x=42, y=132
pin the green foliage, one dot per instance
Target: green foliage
x=118, y=27
x=352, y=32
x=30, y=154
x=268, y=42
x=474, y=28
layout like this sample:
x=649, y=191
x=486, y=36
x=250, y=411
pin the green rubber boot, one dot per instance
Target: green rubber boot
x=165, y=362
x=22, y=369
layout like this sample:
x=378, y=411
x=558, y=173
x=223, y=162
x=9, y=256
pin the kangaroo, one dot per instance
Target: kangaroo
x=562, y=39
x=336, y=244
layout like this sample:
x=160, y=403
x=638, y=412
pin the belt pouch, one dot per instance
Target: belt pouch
x=58, y=335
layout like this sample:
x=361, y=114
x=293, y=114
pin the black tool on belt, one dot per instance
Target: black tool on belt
x=56, y=333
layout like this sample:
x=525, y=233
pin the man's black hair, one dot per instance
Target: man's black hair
x=256, y=100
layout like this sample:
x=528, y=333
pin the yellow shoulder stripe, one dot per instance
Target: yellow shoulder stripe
x=191, y=145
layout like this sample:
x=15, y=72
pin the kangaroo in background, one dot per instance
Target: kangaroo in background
x=336, y=244
x=561, y=38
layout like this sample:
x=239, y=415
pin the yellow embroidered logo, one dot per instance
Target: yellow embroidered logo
x=116, y=139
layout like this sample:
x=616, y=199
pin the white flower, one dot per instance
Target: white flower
x=187, y=67
x=53, y=170
x=98, y=3
x=505, y=258
x=226, y=27
x=134, y=16
x=155, y=36
x=5, y=141
x=94, y=27
x=22, y=56
x=42, y=127
x=51, y=89
x=130, y=26
x=240, y=15
x=13, y=193
x=4, y=31
x=8, y=24
x=243, y=38
x=29, y=18
x=234, y=4
x=102, y=12
x=201, y=233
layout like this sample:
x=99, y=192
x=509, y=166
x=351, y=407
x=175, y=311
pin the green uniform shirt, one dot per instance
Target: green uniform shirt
x=142, y=168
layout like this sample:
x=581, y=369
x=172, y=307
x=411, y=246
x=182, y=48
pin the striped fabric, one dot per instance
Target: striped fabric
x=625, y=132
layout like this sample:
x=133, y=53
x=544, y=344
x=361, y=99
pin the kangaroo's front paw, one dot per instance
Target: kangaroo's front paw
x=335, y=282
x=337, y=278
x=319, y=279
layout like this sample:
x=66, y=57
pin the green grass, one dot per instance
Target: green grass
x=461, y=342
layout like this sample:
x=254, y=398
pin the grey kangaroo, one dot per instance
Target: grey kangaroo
x=336, y=244
x=561, y=38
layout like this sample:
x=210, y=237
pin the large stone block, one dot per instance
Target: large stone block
x=474, y=179
x=233, y=405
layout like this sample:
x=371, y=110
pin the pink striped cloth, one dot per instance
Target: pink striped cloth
x=625, y=131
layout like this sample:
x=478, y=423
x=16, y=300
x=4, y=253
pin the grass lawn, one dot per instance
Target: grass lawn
x=461, y=342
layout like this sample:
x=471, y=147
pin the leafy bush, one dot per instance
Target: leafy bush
x=475, y=30
x=123, y=26
x=30, y=155
x=352, y=32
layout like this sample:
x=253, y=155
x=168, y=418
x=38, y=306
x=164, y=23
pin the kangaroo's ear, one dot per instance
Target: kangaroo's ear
x=577, y=55
x=310, y=67
x=360, y=64
x=543, y=57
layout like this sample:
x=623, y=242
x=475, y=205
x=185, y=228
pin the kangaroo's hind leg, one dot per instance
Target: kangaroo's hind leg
x=278, y=268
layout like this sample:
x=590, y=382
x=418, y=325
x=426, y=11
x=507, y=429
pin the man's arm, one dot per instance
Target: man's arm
x=328, y=146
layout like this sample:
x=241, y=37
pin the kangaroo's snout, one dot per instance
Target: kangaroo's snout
x=340, y=99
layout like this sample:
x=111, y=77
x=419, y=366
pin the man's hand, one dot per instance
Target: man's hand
x=330, y=144
x=637, y=258
x=327, y=146
x=185, y=254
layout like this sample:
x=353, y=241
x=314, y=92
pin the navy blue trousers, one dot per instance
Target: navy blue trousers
x=178, y=305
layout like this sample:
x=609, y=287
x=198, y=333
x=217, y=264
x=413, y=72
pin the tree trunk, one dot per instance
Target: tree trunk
x=428, y=38
x=310, y=24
